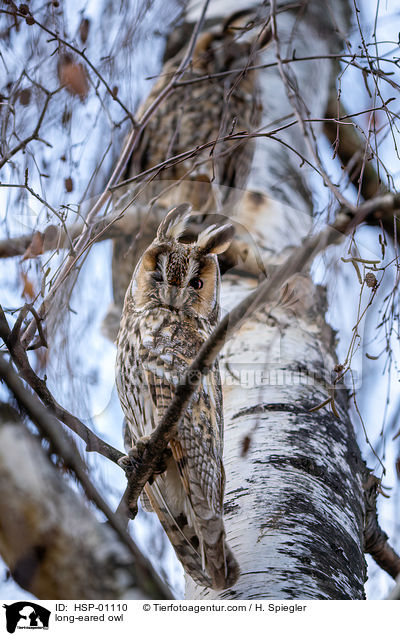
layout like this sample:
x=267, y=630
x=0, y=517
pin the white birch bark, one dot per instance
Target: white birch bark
x=294, y=501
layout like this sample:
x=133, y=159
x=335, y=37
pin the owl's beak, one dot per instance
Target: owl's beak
x=174, y=297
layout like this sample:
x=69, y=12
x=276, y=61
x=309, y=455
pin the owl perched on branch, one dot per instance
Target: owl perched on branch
x=171, y=307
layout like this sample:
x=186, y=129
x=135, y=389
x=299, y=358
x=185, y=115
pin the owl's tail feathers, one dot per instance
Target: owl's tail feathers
x=221, y=565
x=217, y=558
x=203, y=552
x=221, y=569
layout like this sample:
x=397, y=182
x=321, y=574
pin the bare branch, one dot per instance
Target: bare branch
x=20, y=359
x=348, y=145
x=340, y=57
x=56, y=238
x=296, y=102
x=81, y=54
x=375, y=539
x=86, y=236
x=34, y=136
x=350, y=148
x=51, y=541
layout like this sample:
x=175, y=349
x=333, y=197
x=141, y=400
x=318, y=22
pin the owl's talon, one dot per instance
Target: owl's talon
x=127, y=462
x=134, y=458
x=140, y=446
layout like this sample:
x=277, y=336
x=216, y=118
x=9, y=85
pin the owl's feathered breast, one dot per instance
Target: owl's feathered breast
x=155, y=349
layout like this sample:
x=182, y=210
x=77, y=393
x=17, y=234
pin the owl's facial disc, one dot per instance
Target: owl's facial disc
x=180, y=277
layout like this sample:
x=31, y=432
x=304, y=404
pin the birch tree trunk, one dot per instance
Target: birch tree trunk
x=294, y=497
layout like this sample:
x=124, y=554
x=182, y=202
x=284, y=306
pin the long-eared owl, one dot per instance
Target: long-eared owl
x=171, y=307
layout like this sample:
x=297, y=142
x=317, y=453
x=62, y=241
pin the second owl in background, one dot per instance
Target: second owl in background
x=171, y=307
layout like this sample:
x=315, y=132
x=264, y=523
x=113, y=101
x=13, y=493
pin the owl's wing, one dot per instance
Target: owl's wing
x=188, y=497
x=170, y=492
x=140, y=391
x=198, y=446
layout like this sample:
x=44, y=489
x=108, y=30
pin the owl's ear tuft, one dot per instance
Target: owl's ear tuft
x=215, y=240
x=173, y=225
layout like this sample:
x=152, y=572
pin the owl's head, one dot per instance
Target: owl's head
x=181, y=276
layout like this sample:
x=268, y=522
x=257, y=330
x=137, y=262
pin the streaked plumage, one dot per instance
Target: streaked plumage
x=171, y=307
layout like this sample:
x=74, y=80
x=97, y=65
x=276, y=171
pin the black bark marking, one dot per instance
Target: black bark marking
x=267, y=408
x=337, y=554
x=311, y=467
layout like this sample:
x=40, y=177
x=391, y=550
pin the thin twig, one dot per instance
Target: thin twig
x=77, y=51
x=34, y=136
x=295, y=101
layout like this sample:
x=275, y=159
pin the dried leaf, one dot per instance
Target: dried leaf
x=28, y=290
x=25, y=96
x=35, y=247
x=84, y=30
x=69, y=184
x=370, y=280
x=73, y=76
x=338, y=368
x=50, y=237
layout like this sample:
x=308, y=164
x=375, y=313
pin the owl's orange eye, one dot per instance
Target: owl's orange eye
x=196, y=283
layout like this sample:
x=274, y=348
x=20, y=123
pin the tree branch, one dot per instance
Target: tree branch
x=375, y=539
x=80, y=53
x=34, y=136
x=51, y=541
x=348, y=146
x=351, y=150
x=19, y=356
x=86, y=236
x=56, y=238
